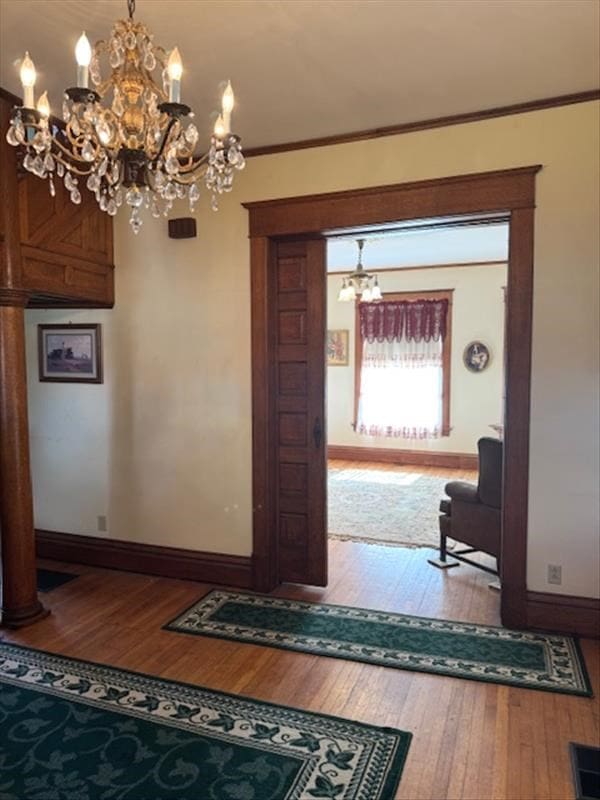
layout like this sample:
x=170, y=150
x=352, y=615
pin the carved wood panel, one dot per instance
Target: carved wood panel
x=66, y=250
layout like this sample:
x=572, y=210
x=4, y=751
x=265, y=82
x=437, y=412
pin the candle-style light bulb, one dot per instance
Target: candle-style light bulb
x=83, y=56
x=174, y=70
x=219, y=129
x=227, y=104
x=43, y=105
x=28, y=77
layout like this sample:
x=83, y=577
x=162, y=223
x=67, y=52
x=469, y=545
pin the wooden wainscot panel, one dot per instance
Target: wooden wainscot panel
x=68, y=278
x=66, y=249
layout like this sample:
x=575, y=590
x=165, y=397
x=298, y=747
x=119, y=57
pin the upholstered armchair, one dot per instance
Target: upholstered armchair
x=473, y=514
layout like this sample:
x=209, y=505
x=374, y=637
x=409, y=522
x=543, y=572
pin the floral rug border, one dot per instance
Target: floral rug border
x=341, y=758
x=565, y=667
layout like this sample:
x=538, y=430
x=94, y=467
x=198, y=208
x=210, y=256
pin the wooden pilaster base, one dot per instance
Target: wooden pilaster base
x=21, y=618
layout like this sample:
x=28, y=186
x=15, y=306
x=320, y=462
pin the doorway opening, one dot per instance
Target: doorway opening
x=288, y=282
x=415, y=377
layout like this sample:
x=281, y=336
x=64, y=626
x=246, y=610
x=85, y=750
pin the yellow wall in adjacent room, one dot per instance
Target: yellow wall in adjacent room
x=475, y=398
x=163, y=447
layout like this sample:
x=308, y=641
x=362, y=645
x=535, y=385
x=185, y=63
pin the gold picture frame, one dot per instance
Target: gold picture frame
x=337, y=348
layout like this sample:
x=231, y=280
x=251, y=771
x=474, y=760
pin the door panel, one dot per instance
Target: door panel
x=301, y=499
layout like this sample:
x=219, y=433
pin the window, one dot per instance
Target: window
x=402, y=382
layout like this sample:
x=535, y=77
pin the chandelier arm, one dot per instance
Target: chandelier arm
x=71, y=160
x=188, y=178
x=163, y=143
x=71, y=168
x=72, y=154
x=192, y=166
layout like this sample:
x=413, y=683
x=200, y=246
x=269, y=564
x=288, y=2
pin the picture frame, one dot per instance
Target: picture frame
x=70, y=353
x=476, y=356
x=337, y=348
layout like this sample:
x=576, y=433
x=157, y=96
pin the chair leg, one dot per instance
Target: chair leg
x=443, y=547
x=442, y=562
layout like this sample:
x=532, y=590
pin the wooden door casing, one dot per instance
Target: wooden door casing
x=312, y=216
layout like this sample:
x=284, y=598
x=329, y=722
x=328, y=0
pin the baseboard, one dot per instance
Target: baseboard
x=564, y=614
x=421, y=458
x=168, y=562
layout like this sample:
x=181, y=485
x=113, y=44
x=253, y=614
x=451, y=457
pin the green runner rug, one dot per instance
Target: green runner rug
x=462, y=650
x=74, y=730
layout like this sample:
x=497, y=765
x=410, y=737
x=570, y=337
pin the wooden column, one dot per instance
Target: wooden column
x=20, y=605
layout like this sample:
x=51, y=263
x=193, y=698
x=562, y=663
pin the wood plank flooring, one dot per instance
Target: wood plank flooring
x=445, y=472
x=472, y=741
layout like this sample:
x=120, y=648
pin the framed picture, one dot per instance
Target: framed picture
x=476, y=357
x=337, y=348
x=70, y=353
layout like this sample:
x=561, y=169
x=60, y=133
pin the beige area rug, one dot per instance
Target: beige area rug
x=386, y=507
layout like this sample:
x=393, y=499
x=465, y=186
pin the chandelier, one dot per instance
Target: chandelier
x=128, y=137
x=359, y=283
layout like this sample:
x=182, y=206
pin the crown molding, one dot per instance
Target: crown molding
x=405, y=127
x=421, y=125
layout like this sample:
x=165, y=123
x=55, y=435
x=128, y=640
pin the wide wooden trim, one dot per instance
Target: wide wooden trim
x=412, y=267
x=510, y=191
x=265, y=543
x=517, y=338
x=168, y=562
x=426, y=124
x=428, y=294
x=421, y=458
x=66, y=279
x=484, y=192
x=563, y=613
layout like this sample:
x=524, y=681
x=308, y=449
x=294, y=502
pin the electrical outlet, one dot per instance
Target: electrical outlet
x=102, y=524
x=554, y=573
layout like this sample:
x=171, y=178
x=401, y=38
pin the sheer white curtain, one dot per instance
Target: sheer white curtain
x=401, y=385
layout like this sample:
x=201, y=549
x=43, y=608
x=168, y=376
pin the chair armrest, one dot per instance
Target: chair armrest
x=464, y=492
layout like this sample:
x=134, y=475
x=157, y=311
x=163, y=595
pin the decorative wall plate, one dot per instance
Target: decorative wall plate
x=476, y=357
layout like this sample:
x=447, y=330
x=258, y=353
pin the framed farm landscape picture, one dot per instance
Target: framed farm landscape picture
x=70, y=353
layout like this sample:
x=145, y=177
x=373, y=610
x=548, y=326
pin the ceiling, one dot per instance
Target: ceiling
x=310, y=68
x=407, y=246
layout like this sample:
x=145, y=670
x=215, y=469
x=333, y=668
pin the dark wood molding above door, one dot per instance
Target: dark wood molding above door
x=511, y=191
x=482, y=192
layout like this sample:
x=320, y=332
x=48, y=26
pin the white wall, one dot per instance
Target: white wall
x=170, y=453
x=475, y=398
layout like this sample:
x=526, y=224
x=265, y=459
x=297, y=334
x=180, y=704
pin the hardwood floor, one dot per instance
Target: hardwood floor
x=471, y=740
x=445, y=472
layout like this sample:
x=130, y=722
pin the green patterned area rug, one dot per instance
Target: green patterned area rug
x=74, y=730
x=462, y=650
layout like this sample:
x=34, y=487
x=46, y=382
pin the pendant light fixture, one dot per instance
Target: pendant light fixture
x=359, y=283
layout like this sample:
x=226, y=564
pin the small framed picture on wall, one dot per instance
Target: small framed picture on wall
x=476, y=357
x=337, y=348
x=70, y=353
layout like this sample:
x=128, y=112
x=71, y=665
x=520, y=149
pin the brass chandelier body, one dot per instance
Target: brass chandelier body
x=131, y=138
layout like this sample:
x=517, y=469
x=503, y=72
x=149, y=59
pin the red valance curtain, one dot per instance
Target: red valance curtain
x=408, y=320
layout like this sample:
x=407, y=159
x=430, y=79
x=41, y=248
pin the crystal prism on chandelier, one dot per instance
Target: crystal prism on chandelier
x=129, y=138
x=359, y=283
